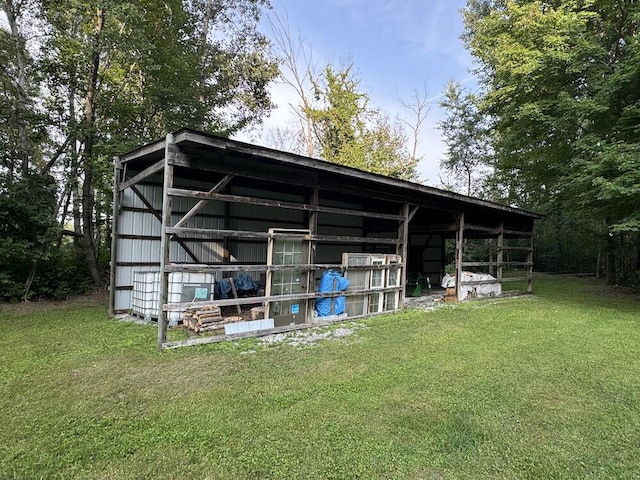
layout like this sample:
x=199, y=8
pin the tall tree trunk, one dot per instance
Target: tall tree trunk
x=636, y=252
x=10, y=10
x=611, y=258
x=88, y=200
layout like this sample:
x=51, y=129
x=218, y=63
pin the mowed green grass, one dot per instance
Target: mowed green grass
x=545, y=386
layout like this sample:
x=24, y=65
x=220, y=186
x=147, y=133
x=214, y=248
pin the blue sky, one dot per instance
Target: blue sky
x=395, y=48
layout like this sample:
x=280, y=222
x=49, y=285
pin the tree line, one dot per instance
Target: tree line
x=555, y=125
x=85, y=80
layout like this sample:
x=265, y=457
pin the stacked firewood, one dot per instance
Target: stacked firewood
x=203, y=318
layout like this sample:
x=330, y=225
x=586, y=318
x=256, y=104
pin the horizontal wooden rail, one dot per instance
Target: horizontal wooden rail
x=170, y=307
x=496, y=264
x=230, y=267
x=479, y=282
x=156, y=167
x=210, y=232
x=266, y=202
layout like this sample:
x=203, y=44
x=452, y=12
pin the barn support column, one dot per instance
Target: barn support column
x=313, y=229
x=500, y=254
x=117, y=175
x=530, y=264
x=165, y=242
x=459, y=254
x=402, y=247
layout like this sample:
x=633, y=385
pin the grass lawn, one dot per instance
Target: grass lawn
x=545, y=386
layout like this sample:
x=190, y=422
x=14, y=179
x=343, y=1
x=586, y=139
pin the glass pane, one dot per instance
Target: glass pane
x=374, y=302
x=355, y=305
x=390, y=301
x=377, y=278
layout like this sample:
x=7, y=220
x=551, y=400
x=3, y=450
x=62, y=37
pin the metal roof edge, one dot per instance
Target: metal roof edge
x=208, y=139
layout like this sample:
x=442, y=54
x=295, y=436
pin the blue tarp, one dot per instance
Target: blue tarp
x=327, y=281
x=244, y=283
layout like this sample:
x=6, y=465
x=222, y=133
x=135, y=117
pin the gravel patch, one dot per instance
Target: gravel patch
x=125, y=317
x=311, y=337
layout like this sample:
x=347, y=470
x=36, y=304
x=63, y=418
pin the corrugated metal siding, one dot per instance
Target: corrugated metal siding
x=205, y=252
x=139, y=223
x=140, y=251
x=147, y=224
x=254, y=192
x=124, y=277
x=153, y=193
x=354, y=231
x=212, y=207
x=265, y=217
x=337, y=219
x=248, y=252
x=332, y=253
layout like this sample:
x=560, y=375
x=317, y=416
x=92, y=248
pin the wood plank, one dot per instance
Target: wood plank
x=157, y=214
x=478, y=282
x=459, y=254
x=232, y=267
x=413, y=213
x=198, y=206
x=235, y=293
x=266, y=202
x=261, y=300
x=156, y=167
x=115, y=222
x=165, y=243
x=482, y=228
x=210, y=232
x=478, y=264
x=520, y=233
x=515, y=279
x=436, y=228
x=138, y=264
x=500, y=254
x=236, y=336
x=402, y=247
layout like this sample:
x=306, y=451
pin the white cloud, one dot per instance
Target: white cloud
x=395, y=47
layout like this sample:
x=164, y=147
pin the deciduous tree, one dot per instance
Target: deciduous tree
x=561, y=82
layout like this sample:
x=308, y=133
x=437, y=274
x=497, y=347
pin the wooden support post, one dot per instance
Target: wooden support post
x=226, y=243
x=313, y=228
x=459, y=255
x=530, y=265
x=234, y=292
x=117, y=176
x=268, y=278
x=500, y=254
x=201, y=203
x=402, y=249
x=158, y=215
x=165, y=242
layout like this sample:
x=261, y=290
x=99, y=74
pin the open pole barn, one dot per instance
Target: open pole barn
x=203, y=224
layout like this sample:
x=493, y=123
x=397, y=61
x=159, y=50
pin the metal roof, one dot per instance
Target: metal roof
x=206, y=142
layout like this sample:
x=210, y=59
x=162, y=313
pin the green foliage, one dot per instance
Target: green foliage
x=466, y=137
x=27, y=229
x=537, y=387
x=89, y=79
x=352, y=134
x=565, y=244
x=561, y=84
